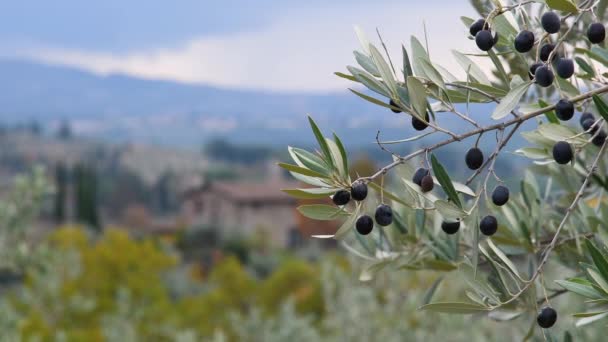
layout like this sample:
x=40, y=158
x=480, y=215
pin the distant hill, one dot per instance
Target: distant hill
x=121, y=108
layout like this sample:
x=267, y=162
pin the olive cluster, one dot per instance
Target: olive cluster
x=540, y=71
x=364, y=223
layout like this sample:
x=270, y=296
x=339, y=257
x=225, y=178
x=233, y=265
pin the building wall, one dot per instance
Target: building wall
x=275, y=219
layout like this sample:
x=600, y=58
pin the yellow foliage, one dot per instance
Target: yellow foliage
x=297, y=279
x=113, y=262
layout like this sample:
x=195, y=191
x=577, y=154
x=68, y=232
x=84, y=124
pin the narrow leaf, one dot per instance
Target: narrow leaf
x=580, y=288
x=551, y=116
x=510, y=101
x=602, y=107
x=321, y=212
x=384, y=69
x=431, y=291
x=372, y=100
x=321, y=140
x=562, y=5
x=454, y=307
x=348, y=224
x=417, y=94
x=598, y=259
x=445, y=181
x=312, y=193
x=503, y=258
x=301, y=170
x=342, y=152
x=473, y=68
x=407, y=66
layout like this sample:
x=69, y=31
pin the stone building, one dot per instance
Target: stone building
x=245, y=208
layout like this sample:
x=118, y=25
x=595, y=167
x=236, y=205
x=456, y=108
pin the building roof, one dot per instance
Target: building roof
x=248, y=191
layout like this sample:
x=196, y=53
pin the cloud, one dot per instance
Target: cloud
x=298, y=51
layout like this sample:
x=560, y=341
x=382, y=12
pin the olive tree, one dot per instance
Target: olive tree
x=412, y=214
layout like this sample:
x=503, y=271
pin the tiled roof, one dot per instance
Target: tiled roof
x=249, y=191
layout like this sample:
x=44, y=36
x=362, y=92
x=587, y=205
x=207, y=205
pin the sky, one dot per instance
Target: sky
x=271, y=45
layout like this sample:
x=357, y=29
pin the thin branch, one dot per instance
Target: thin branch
x=480, y=92
x=402, y=159
x=562, y=224
x=494, y=154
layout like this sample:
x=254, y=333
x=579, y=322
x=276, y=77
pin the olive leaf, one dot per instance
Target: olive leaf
x=562, y=5
x=310, y=193
x=551, y=116
x=598, y=259
x=454, y=307
x=322, y=143
x=602, y=107
x=407, y=66
x=366, y=63
x=510, y=101
x=471, y=67
x=348, y=224
x=445, y=181
x=302, y=170
x=384, y=69
x=321, y=212
x=417, y=95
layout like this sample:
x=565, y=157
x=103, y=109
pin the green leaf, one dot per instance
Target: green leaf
x=454, y=307
x=369, y=81
x=348, y=77
x=308, y=160
x=384, y=69
x=551, y=116
x=418, y=53
x=559, y=132
x=310, y=193
x=342, y=152
x=431, y=73
x=471, y=67
x=366, y=63
x=321, y=212
x=562, y=5
x=467, y=21
x=602, y=107
x=584, y=66
x=510, y=101
x=463, y=189
x=301, y=170
x=431, y=291
x=348, y=224
x=503, y=257
x=407, y=66
x=445, y=181
x=448, y=210
x=399, y=223
x=581, y=287
x=588, y=314
x=321, y=141
x=567, y=88
x=496, y=92
x=363, y=40
x=600, y=54
x=499, y=67
x=588, y=320
x=336, y=156
x=598, y=259
x=373, y=100
x=533, y=152
x=417, y=94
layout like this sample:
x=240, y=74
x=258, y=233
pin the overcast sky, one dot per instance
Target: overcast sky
x=275, y=45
